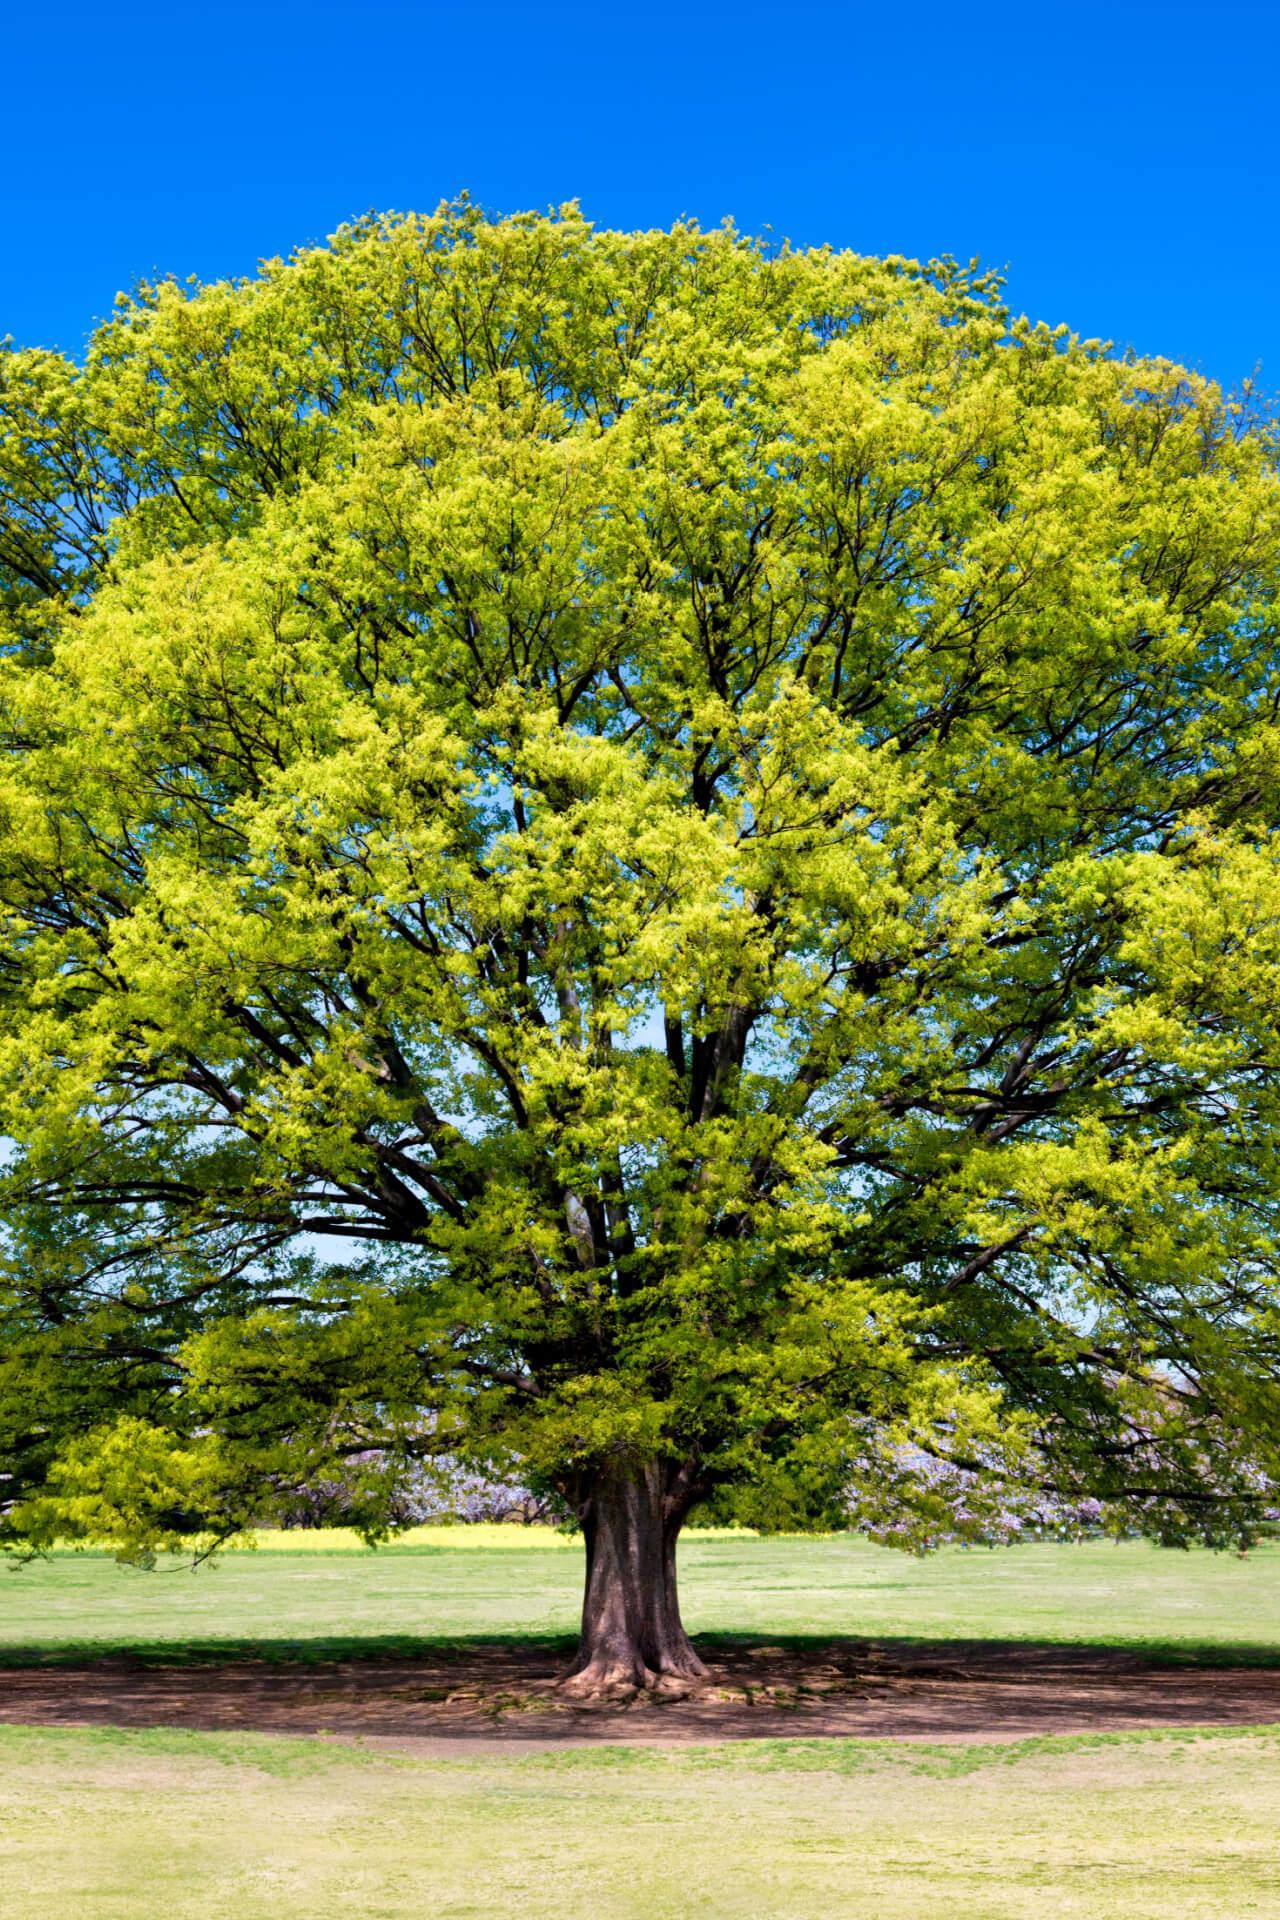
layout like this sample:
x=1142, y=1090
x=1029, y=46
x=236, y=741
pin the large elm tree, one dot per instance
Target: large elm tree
x=637, y=861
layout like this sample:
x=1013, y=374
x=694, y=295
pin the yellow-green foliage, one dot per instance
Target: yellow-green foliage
x=708, y=814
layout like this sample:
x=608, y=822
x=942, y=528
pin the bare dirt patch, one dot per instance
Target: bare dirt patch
x=508, y=1694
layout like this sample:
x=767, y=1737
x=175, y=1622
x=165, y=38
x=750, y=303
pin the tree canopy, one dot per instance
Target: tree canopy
x=639, y=858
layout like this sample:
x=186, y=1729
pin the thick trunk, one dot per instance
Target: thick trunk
x=631, y=1632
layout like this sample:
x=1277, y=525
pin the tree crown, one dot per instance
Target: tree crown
x=707, y=814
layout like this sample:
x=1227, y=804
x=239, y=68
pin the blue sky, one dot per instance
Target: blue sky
x=1121, y=162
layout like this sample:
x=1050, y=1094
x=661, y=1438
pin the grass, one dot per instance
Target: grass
x=211, y=1827
x=312, y=1602
x=170, y=1825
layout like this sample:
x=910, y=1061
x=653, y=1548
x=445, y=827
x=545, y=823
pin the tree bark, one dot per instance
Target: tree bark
x=632, y=1636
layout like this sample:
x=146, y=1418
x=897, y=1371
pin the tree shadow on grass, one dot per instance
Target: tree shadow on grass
x=918, y=1651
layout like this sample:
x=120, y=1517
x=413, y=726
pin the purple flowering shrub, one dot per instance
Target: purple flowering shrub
x=898, y=1492
x=911, y=1496
x=416, y=1500
x=380, y=1495
x=907, y=1497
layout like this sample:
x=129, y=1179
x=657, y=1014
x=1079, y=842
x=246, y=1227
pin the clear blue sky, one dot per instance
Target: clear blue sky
x=1121, y=161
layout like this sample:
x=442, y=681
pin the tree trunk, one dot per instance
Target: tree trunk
x=631, y=1632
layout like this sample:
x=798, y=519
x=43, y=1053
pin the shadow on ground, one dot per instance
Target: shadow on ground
x=506, y=1690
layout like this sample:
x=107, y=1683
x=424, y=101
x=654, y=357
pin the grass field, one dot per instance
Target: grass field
x=313, y=1601
x=111, y=1825
x=206, y=1827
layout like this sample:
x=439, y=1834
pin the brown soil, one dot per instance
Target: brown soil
x=507, y=1695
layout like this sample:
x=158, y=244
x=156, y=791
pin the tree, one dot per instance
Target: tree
x=641, y=861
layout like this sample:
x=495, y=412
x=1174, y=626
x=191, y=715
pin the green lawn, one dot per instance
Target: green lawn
x=1131, y=1594
x=181, y=1826
x=207, y=1827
